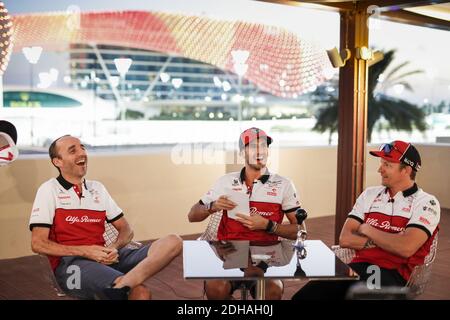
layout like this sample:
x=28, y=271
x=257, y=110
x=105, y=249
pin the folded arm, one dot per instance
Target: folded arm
x=350, y=236
x=403, y=244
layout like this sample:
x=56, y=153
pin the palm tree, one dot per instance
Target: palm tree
x=399, y=114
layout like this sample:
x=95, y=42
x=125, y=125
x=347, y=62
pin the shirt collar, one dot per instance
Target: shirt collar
x=264, y=178
x=408, y=192
x=66, y=184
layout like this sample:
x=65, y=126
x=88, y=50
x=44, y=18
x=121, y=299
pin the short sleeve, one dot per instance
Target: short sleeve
x=43, y=210
x=215, y=192
x=358, y=211
x=113, y=211
x=290, y=198
x=426, y=215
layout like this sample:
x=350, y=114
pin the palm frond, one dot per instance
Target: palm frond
x=399, y=114
x=397, y=68
x=404, y=75
x=377, y=69
x=405, y=84
x=327, y=119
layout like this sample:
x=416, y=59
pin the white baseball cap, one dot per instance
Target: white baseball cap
x=8, y=139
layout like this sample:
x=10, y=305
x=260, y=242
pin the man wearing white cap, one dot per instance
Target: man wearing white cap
x=8, y=140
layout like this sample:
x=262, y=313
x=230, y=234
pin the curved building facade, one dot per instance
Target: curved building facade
x=277, y=61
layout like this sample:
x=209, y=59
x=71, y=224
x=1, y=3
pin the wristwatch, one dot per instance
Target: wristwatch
x=209, y=206
x=369, y=244
x=271, y=226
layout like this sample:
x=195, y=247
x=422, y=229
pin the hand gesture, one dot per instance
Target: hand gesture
x=223, y=203
x=101, y=254
x=254, y=222
x=223, y=249
x=112, y=257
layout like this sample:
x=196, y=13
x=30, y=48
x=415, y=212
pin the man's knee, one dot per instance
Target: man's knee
x=175, y=243
x=217, y=290
x=274, y=290
x=140, y=292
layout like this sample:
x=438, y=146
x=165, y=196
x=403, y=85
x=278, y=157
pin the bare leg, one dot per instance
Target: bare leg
x=160, y=254
x=218, y=290
x=140, y=292
x=274, y=289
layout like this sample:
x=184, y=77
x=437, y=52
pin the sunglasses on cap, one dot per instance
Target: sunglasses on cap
x=388, y=147
x=404, y=153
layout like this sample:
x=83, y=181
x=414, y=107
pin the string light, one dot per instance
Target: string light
x=5, y=38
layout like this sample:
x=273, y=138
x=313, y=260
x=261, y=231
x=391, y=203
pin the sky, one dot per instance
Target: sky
x=426, y=49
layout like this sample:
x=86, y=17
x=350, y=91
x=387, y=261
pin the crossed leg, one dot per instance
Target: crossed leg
x=159, y=255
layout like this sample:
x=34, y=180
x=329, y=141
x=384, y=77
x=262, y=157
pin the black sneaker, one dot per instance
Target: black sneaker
x=111, y=293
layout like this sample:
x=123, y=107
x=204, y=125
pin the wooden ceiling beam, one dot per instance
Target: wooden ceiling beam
x=416, y=19
x=389, y=10
x=392, y=5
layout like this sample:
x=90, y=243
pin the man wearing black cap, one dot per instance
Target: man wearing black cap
x=392, y=226
x=8, y=140
x=271, y=197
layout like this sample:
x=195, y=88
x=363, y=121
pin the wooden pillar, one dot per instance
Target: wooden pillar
x=352, y=115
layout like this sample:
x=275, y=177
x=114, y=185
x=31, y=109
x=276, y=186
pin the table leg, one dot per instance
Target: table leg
x=260, y=289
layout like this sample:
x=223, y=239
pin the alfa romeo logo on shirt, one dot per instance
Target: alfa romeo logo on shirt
x=254, y=211
x=83, y=219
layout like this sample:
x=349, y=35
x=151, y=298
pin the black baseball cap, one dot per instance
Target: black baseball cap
x=399, y=152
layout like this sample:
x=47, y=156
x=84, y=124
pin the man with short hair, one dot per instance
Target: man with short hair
x=271, y=197
x=391, y=226
x=68, y=221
